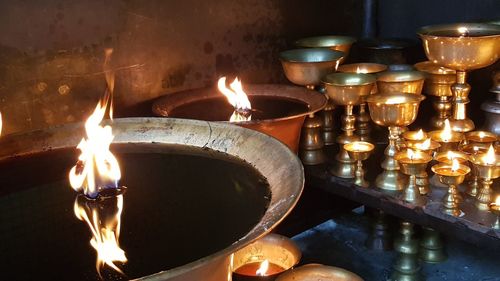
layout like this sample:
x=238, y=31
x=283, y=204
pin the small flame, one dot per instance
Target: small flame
x=361, y=70
x=424, y=145
x=105, y=231
x=489, y=158
x=464, y=31
x=446, y=133
x=419, y=135
x=410, y=154
x=454, y=165
x=264, y=266
x=497, y=201
x=482, y=135
x=237, y=98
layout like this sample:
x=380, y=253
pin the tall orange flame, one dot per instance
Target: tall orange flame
x=237, y=98
x=446, y=133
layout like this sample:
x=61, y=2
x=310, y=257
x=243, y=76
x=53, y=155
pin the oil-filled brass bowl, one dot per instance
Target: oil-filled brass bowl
x=359, y=150
x=348, y=88
x=394, y=109
x=334, y=42
x=462, y=46
x=400, y=82
x=366, y=67
x=311, y=272
x=306, y=67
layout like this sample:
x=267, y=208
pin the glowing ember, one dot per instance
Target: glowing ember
x=446, y=133
x=264, y=266
x=95, y=159
x=105, y=230
x=489, y=158
x=237, y=98
x=424, y=145
x=454, y=165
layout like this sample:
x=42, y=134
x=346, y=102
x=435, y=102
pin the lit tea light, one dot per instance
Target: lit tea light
x=481, y=137
x=451, y=175
x=359, y=151
x=265, y=259
x=237, y=98
x=428, y=145
x=412, y=138
x=454, y=169
x=414, y=157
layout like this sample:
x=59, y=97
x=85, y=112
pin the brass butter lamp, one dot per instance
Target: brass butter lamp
x=451, y=175
x=462, y=47
x=363, y=119
x=473, y=181
x=438, y=81
x=392, y=110
x=487, y=166
x=359, y=151
x=347, y=89
x=412, y=163
x=401, y=82
x=306, y=67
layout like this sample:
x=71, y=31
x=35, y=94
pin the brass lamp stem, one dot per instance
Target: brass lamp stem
x=390, y=178
x=450, y=201
x=360, y=175
x=412, y=193
x=363, y=123
x=443, y=106
x=345, y=166
x=461, y=91
x=485, y=195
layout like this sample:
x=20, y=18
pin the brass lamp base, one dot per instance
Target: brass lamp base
x=311, y=143
x=390, y=180
x=431, y=247
x=462, y=125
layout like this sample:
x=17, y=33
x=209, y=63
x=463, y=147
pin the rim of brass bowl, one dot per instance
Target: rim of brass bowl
x=413, y=145
x=441, y=165
x=350, y=146
x=275, y=161
x=434, y=68
x=325, y=41
x=398, y=98
x=310, y=55
x=470, y=136
x=311, y=272
x=400, y=76
x=455, y=136
x=442, y=157
x=315, y=102
x=353, y=67
x=469, y=148
x=478, y=30
x=278, y=249
x=476, y=159
x=423, y=158
x=410, y=136
x=348, y=79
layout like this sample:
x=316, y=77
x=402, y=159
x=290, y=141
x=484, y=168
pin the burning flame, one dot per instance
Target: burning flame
x=464, y=31
x=446, y=133
x=264, y=266
x=95, y=156
x=410, y=154
x=105, y=230
x=482, y=135
x=419, y=135
x=497, y=201
x=361, y=70
x=424, y=145
x=237, y=98
x=489, y=158
x=454, y=165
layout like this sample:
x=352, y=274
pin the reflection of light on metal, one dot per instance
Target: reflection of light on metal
x=497, y=201
x=395, y=100
x=464, y=31
x=419, y=135
x=264, y=266
x=103, y=217
x=425, y=145
x=237, y=98
x=410, y=154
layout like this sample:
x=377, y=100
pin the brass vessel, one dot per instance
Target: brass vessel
x=333, y=42
x=412, y=166
x=487, y=172
x=438, y=81
x=347, y=89
x=318, y=272
x=452, y=179
x=392, y=110
x=359, y=151
x=462, y=47
x=400, y=82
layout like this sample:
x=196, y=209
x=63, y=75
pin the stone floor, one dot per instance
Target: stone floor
x=340, y=243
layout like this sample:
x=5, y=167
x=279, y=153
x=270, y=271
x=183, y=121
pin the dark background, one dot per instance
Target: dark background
x=51, y=51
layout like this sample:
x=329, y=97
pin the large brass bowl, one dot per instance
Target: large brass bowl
x=394, y=109
x=462, y=46
x=400, y=82
x=348, y=88
x=306, y=67
x=438, y=79
x=333, y=42
x=317, y=272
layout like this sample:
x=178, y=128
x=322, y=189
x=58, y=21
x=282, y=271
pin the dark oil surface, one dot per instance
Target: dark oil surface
x=218, y=109
x=180, y=205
